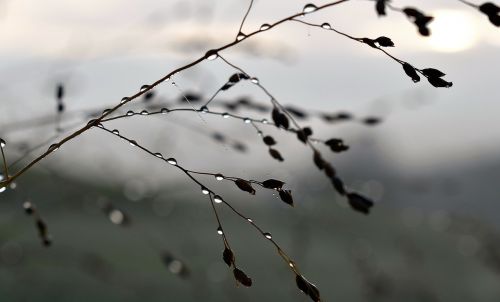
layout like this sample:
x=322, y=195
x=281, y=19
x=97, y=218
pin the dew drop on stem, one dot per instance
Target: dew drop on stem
x=326, y=26
x=2, y=143
x=204, y=109
x=219, y=176
x=268, y=236
x=144, y=112
x=225, y=115
x=265, y=26
x=172, y=161
x=240, y=36
x=246, y=120
x=211, y=55
x=204, y=191
x=309, y=8
x=158, y=155
x=217, y=199
x=254, y=80
x=130, y=112
x=164, y=111
x=124, y=100
x=116, y=132
x=219, y=231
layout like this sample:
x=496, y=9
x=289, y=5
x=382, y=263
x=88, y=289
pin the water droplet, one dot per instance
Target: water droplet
x=240, y=36
x=28, y=207
x=291, y=264
x=124, y=100
x=116, y=216
x=100, y=125
x=254, y=80
x=250, y=220
x=219, y=231
x=246, y=120
x=144, y=112
x=2, y=143
x=116, y=132
x=133, y=143
x=204, y=109
x=53, y=147
x=2, y=189
x=265, y=26
x=225, y=115
x=205, y=191
x=158, y=155
x=217, y=199
x=260, y=133
x=130, y=112
x=211, y=55
x=13, y=185
x=144, y=88
x=309, y=8
x=268, y=236
x=164, y=110
x=265, y=121
x=326, y=26
x=172, y=161
x=219, y=176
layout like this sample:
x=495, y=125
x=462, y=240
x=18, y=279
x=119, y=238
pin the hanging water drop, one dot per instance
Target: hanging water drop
x=2, y=143
x=268, y=236
x=309, y=8
x=225, y=115
x=124, y=100
x=164, y=111
x=217, y=199
x=246, y=120
x=219, y=176
x=326, y=26
x=172, y=161
x=265, y=26
x=259, y=133
x=133, y=143
x=2, y=189
x=264, y=121
x=211, y=55
x=158, y=155
x=130, y=112
x=219, y=231
x=105, y=111
x=250, y=220
x=144, y=112
x=254, y=80
x=205, y=191
x=240, y=36
x=53, y=147
x=28, y=207
x=204, y=109
x=116, y=132
x=144, y=88
x=116, y=216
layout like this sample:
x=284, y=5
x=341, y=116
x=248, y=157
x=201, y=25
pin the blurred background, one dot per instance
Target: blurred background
x=432, y=164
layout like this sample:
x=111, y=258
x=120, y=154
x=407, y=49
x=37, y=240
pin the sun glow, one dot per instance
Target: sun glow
x=452, y=31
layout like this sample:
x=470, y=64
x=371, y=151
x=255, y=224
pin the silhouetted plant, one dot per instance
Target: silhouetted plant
x=283, y=117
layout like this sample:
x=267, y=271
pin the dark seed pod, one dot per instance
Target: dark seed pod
x=369, y=41
x=245, y=186
x=273, y=184
x=380, y=7
x=411, y=72
x=439, y=82
x=308, y=288
x=384, y=41
x=275, y=154
x=269, y=140
x=338, y=185
x=228, y=256
x=318, y=160
x=286, y=196
x=241, y=277
x=329, y=170
x=359, y=203
x=432, y=72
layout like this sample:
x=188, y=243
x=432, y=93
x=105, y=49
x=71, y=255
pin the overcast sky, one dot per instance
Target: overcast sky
x=104, y=50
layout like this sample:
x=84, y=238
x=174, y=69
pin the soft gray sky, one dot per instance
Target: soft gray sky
x=105, y=50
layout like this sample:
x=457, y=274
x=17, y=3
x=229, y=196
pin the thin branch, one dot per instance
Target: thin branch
x=147, y=88
x=244, y=18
